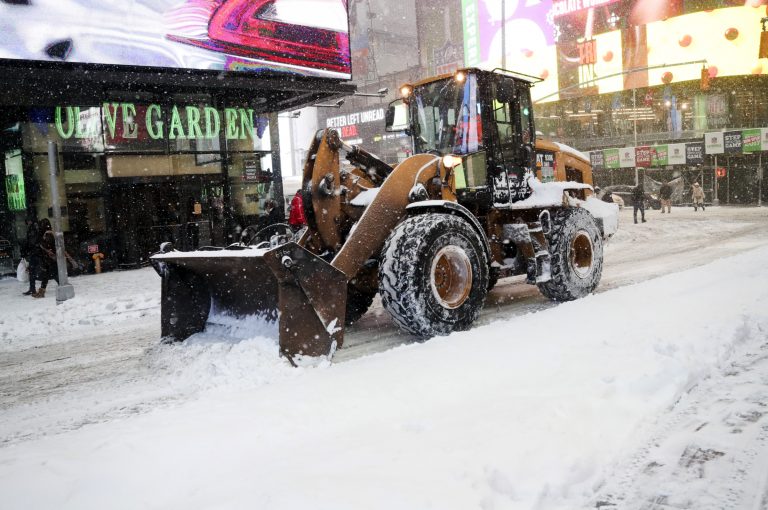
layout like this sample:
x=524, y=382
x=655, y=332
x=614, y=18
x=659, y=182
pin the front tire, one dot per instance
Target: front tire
x=576, y=255
x=434, y=275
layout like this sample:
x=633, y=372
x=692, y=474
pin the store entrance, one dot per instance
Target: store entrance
x=147, y=214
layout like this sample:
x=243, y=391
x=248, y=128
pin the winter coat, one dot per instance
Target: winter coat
x=698, y=193
x=665, y=192
x=638, y=194
x=296, y=217
x=608, y=197
x=31, y=248
x=48, y=250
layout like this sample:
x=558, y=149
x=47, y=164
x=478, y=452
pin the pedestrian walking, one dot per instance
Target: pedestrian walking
x=698, y=197
x=665, y=195
x=296, y=218
x=32, y=253
x=638, y=201
x=48, y=264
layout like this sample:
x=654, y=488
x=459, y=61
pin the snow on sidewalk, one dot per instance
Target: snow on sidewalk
x=100, y=300
x=531, y=412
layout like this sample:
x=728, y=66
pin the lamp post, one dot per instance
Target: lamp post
x=64, y=290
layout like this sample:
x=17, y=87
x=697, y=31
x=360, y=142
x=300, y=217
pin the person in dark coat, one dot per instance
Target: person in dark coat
x=665, y=195
x=638, y=201
x=48, y=266
x=32, y=253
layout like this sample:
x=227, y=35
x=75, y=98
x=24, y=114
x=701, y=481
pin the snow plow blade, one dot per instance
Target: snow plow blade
x=287, y=283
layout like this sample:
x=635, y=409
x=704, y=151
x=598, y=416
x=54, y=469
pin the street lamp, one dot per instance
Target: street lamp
x=337, y=104
x=379, y=93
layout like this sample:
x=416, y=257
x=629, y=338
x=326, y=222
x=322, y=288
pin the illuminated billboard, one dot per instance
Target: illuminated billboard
x=306, y=37
x=584, y=47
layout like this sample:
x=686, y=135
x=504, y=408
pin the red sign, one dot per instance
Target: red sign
x=643, y=156
x=93, y=248
x=587, y=52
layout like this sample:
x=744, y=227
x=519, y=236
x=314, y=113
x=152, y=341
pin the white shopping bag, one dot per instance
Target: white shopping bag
x=21, y=272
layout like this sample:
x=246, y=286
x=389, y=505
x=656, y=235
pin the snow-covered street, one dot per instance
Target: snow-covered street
x=650, y=394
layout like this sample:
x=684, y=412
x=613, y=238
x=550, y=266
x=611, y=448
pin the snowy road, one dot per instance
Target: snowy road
x=97, y=360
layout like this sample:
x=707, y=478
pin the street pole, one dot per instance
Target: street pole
x=760, y=180
x=503, y=35
x=64, y=290
x=716, y=199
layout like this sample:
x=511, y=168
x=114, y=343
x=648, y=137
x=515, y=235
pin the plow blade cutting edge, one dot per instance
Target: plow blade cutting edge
x=287, y=283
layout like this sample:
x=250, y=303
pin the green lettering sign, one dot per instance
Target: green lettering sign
x=246, y=123
x=65, y=134
x=176, y=129
x=154, y=127
x=110, y=116
x=233, y=131
x=193, y=122
x=130, y=127
x=212, y=122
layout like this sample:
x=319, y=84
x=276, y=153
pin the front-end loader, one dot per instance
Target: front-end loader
x=431, y=235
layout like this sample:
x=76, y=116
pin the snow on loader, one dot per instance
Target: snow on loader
x=431, y=235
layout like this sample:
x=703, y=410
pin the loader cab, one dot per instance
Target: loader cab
x=485, y=117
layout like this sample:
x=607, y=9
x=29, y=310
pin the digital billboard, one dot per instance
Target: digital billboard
x=306, y=37
x=583, y=47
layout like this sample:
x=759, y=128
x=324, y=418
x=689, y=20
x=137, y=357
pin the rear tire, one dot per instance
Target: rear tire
x=576, y=253
x=434, y=275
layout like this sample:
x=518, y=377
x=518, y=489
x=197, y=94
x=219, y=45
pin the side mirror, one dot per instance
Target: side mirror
x=396, y=118
x=505, y=89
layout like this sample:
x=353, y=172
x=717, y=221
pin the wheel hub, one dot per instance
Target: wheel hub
x=581, y=257
x=451, y=277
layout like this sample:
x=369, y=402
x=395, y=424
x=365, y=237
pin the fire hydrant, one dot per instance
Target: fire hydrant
x=97, y=262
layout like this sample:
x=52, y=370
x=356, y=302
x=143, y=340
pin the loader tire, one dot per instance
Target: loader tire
x=358, y=302
x=433, y=277
x=576, y=255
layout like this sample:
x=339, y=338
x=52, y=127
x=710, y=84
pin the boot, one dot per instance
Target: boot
x=39, y=294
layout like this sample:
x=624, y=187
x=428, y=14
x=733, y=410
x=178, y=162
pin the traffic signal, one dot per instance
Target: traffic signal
x=720, y=171
x=704, y=78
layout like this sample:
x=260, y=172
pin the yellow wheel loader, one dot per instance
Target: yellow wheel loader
x=431, y=235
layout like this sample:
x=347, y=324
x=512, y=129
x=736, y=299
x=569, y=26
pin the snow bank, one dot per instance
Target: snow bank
x=526, y=413
x=100, y=300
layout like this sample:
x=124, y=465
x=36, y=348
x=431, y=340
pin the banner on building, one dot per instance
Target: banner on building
x=694, y=153
x=713, y=143
x=659, y=155
x=751, y=140
x=732, y=142
x=643, y=156
x=676, y=154
x=597, y=160
x=627, y=157
x=611, y=158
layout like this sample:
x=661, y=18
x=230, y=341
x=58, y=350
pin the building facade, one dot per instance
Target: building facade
x=173, y=140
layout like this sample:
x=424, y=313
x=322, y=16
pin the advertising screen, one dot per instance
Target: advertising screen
x=307, y=37
x=583, y=47
x=14, y=181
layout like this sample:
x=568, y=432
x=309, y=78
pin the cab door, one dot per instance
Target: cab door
x=512, y=138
